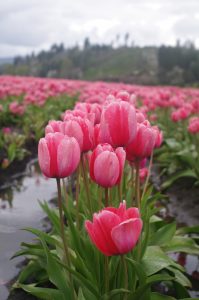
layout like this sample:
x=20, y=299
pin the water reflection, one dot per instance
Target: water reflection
x=19, y=208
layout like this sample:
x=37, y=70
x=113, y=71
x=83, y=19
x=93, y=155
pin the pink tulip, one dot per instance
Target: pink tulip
x=193, y=125
x=92, y=110
x=143, y=144
x=143, y=172
x=70, y=128
x=159, y=137
x=123, y=95
x=54, y=126
x=58, y=155
x=106, y=165
x=96, y=134
x=6, y=130
x=118, y=124
x=87, y=130
x=115, y=231
x=140, y=117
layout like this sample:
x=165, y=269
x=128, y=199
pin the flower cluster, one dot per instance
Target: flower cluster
x=107, y=134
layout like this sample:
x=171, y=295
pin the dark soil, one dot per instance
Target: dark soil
x=17, y=168
x=182, y=201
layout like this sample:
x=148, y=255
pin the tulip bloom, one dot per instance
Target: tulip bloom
x=106, y=165
x=58, y=155
x=143, y=144
x=118, y=124
x=159, y=137
x=87, y=131
x=115, y=231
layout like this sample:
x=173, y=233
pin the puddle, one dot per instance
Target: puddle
x=19, y=208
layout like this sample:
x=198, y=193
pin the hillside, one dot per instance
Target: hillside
x=177, y=65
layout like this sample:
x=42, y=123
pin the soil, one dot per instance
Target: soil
x=17, y=168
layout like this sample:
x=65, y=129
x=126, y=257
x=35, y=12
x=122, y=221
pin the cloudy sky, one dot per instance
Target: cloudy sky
x=32, y=25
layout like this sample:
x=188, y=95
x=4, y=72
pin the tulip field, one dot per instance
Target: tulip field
x=103, y=146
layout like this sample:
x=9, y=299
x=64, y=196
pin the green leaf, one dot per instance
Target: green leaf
x=155, y=219
x=84, y=282
x=182, y=244
x=80, y=295
x=52, y=215
x=56, y=273
x=181, y=174
x=138, y=269
x=12, y=151
x=115, y=292
x=181, y=291
x=26, y=272
x=157, y=296
x=180, y=277
x=173, y=144
x=188, y=229
x=159, y=277
x=142, y=291
x=155, y=260
x=48, y=238
x=42, y=293
x=163, y=235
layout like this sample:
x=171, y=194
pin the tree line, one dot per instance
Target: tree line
x=166, y=65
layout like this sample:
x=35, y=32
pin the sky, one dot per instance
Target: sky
x=33, y=25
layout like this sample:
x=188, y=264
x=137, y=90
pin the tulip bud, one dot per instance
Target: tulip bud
x=58, y=155
x=106, y=165
x=143, y=144
x=118, y=124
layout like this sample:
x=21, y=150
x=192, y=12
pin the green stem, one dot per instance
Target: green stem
x=137, y=183
x=61, y=218
x=120, y=191
x=77, y=197
x=106, y=197
x=133, y=187
x=106, y=274
x=85, y=178
x=64, y=191
x=100, y=197
x=137, y=196
x=148, y=176
x=125, y=274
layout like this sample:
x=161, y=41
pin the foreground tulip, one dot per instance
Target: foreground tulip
x=118, y=124
x=115, y=231
x=106, y=165
x=58, y=155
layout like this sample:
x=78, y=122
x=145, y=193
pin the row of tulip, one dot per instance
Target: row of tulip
x=175, y=110
x=106, y=145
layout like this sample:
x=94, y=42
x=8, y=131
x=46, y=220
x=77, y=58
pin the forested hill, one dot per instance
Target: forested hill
x=177, y=65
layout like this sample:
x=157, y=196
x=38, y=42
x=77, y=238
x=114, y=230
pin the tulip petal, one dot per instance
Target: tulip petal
x=132, y=213
x=73, y=129
x=96, y=239
x=44, y=157
x=68, y=156
x=126, y=235
x=106, y=169
x=102, y=227
x=121, y=154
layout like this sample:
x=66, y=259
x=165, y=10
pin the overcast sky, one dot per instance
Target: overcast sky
x=32, y=25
